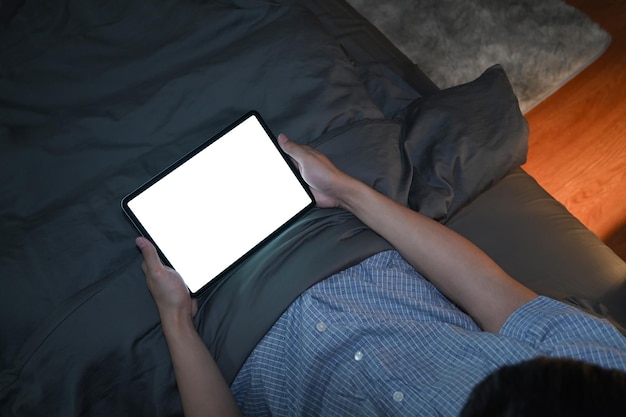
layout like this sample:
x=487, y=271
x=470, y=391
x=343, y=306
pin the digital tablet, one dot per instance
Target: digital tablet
x=216, y=205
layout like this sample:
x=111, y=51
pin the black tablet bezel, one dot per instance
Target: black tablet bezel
x=137, y=223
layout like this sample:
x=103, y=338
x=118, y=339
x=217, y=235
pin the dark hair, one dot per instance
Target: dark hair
x=549, y=387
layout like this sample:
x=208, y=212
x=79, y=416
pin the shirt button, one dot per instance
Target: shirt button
x=358, y=355
x=321, y=326
x=398, y=396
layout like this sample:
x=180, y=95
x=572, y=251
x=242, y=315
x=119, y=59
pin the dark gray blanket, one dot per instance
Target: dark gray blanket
x=97, y=97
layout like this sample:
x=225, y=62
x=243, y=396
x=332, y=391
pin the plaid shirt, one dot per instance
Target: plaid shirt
x=379, y=339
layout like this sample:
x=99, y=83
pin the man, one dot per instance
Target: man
x=379, y=338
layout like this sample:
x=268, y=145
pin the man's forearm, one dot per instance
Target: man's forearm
x=203, y=390
x=454, y=265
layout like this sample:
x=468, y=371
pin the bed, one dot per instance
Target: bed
x=97, y=97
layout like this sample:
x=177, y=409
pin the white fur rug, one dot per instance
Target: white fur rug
x=540, y=43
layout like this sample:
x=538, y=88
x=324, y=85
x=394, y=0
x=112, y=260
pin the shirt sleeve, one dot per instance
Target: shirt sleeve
x=556, y=329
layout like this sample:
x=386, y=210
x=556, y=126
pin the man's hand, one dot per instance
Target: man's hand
x=326, y=181
x=202, y=387
x=166, y=285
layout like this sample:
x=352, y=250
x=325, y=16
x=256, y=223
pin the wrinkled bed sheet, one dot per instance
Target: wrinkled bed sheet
x=97, y=97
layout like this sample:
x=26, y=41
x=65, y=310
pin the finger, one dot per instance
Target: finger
x=150, y=255
x=291, y=148
x=282, y=139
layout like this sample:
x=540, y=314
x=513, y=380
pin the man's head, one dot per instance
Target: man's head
x=549, y=387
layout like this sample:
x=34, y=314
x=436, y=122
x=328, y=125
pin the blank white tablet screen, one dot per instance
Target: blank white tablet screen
x=221, y=203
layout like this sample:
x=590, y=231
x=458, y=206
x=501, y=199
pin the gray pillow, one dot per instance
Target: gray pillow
x=461, y=140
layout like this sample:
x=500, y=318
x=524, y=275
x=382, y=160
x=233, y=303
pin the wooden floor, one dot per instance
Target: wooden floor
x=578, y=135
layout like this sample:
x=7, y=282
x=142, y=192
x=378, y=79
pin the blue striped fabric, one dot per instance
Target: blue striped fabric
x=379, y=339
